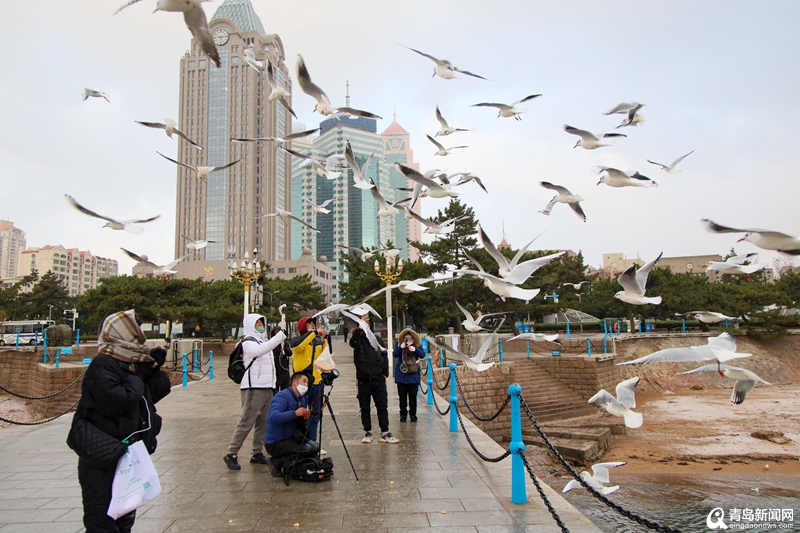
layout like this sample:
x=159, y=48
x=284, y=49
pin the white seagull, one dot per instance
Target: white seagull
x=617, y=178
x=277, y=140
x=433, y=189
x=361, y=308
x=287, y=217
x=634, y=283
x=763, y=238
x=328, y=171
x=250, y=59
x=575, y=286
x=127, y=225
x=365, y=255
x=734, y=265
x=444, y=68
x=505, y=266
x=708, y=317
x=670, y=169
x=512, y=110
x=476, y=362
x=323, y=105
x=431, y=227
x=194, y=245
x=359, y=173
x=276, y=91
x=597, y=480
x=538, y=337
x=195, y=19
x=158, y=270
x=94, y=94
x=169, y=128
x=622, y=108
x=564, y=196
x=446, y=129
x=633, y=118
x=622, y=404
x=386, y=209
x=466, y=177
x=508, y=287
x=373, y=340
x=473, y=325
x=202, y=172
x=745, y=379
x=441, y=150
x=321, y=208
x=720, y=349
x=591, y=141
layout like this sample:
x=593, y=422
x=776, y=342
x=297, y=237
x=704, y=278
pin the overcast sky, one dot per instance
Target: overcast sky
x=719, y=77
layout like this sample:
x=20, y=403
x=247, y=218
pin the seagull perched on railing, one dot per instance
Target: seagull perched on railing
x=622, y=404
x=745, y=379
x=127, y=225
x=597, y=480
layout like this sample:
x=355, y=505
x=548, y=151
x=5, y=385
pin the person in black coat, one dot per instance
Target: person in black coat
x=282, y=367
x=118, y=396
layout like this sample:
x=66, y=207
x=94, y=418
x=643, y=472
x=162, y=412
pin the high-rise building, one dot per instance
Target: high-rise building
x=12, y=242
x=353, y=219
x=217, y=105
x=78, y=271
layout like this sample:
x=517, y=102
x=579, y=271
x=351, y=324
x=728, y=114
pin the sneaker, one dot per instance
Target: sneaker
x=259, y=458
x=389, y=438
x=232, y=461
x=403, y=419
x=276, y=472
x=367, y=438
x=323, y=452
x=413, y=418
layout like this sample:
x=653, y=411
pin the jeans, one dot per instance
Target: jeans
x=408, y=398
x=316, y=410
x=375, y=389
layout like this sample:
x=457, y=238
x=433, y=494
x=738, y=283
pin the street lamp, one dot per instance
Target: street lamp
x=246, y=273
x=389, y=276
x=49, y=313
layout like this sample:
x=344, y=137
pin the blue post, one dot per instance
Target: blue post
x=430, y=380
x=184, y=370
x=619, y=328
x=35, y=338
x=589, y=346
x=58, y=356
x=453, y=399
x=605, y=344
x=726, y=323
x=194, y=359
x=518, y=491
x=44, y=344
x=568, y=335
x=77, y=337
x=18, y=339
x=528, y=343
x=683, y=325
x=210, y=364
x=500, y=345
x=441, y=358
x=640, y=327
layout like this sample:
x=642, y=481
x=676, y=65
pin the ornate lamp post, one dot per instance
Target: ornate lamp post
x=389, y=276
x=247, y=273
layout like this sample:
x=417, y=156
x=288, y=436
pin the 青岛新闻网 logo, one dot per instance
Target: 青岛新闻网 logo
x=715, y=519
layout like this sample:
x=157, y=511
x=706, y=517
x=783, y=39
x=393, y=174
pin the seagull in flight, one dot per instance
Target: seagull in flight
x=386, y=209
x=433, y=189
x=622, y=404
x=512, y=110
x=361, y=308
x=328, y=171
x=734, y=265
x=444, y=68
x=358, y=172
x=763, y=238
x=565, y=197
x=195, y=19
x=127, y=225
x=473, y=325
x=169, y=126
x=721, y=349
x=548, y=339
x=634, y=283
x=466, y=177
x=287, y=217
x=576, y=286
x=373, y=340
x=276, y=91
x=508, y=287
x=504, y=265
x=319, y=209
x=194, y=245
x=597, y=480
x=323, y=105
x=202, y=172
x=476, y=362
x=159, y=270
x=441, y=149
x=365, y=255
x=96, y=94
x=446, y=129
x=617, y=178
x=707, y=317
x=591, y=141
x=623, y=108
x=277, y=140
x=745, y=379
x=633, y=118
x=250, y=59
x=670, y=169
x=431, y=227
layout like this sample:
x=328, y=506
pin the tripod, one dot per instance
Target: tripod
x=325, y=399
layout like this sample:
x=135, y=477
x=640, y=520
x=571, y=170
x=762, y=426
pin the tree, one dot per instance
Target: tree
x=49, y=291
x=446, y=251
x=300, y=294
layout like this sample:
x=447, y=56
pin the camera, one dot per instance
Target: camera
x=328, y=377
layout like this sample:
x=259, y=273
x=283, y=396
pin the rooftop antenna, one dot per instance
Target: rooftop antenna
x=347, y=95
x=394, y=118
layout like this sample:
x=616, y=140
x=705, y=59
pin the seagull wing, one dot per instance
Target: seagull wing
x=467, y=314
x=85, y=211
x=439, y=146
x=378, y=196
x=373, y=340
x=309, y=226
x=675, y=355
x=740, y=259
x=308, y=86
x=226, y=166
x=177, y=162
x=625, y=393
x=576, y=208
x=126, y=5
x=358, y=112
x=423, y=54
x=602, y=398
x=501, y=107
x=300, y=134
x=170, y=266
x=642, y=273
x=558, y=188
x=415, y=176
x=740, y=390
x=156, y=125
x=624, y=107
x=195, y=20
x=142, y=221
x=628, y=281
x=180, y=134
x=713, y=227
x=601, y=470
x=527, y=98
x=665, y=167
x=285, y=103
x=439, y=117
x=140, y=259
x=502, y=261
x=583, y=134
x=273, y=83
x=468, y=73
x=525, y=269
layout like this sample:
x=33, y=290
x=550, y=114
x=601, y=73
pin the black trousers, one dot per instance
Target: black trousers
x=408, y=398
x=375, y=389
x=96, y=492
x=289, y=448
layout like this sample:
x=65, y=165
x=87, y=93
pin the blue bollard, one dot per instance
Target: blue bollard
x=18, y=339
x=726, y=323
x=210, y=364
x=441, y=358
x=77, y=337
x=619, y=328
x=640, y=327
x=453, y=399
x=184, y=370
x=35, y=338
x=430, y=380
x=589, y=346
x=518, y=491
x=528, y=343
x=568, y=335
x=194, y=359
x=500, y=344
x=683, y=325
x=58, y=356
x=44, y=344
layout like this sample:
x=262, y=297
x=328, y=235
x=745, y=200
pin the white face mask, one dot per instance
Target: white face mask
x=302, y=389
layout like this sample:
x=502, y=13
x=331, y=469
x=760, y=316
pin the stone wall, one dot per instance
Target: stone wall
x=584, y=375
x=23, y=373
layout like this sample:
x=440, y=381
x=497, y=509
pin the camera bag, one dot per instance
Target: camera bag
x=310, y=469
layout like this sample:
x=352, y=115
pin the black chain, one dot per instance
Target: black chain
x=624, y=512
x=550, y=507
x=437, y=406
x=46, y=420
x=446, y=383
x=423, y=391
x=482, y=419
x=474, y=449
x=44, y=397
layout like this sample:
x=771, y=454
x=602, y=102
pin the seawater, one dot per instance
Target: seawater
x=683, y=501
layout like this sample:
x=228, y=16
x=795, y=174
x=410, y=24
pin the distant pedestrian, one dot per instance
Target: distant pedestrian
x=346, y=331
x=120, y=389
x=407, y=356
x=256, y=389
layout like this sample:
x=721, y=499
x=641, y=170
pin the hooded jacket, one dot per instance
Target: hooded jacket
x=256, y=348
x=370, y=363
x=400, y=354
x=307, y=347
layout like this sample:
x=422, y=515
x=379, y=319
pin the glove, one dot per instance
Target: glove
x=411, y=348
x=159, y=354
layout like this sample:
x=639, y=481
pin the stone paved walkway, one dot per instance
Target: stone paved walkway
x=431, y=480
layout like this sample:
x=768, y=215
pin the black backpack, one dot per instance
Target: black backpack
x=236, y=368
x=309, y=469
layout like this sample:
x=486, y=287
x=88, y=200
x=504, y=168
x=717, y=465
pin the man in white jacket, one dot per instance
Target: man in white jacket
x=257, y=388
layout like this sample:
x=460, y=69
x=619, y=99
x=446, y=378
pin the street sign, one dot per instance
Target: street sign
x=556, y=353
x=86, y=360
x=66, y=350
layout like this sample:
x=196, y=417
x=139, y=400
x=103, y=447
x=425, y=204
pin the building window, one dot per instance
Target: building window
x=281, y=270
x=292, y=270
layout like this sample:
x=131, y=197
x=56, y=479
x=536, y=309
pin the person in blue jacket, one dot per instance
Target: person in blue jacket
x=407, y=356
x=287, y=433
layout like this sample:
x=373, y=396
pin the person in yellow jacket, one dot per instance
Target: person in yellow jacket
x=306, y=348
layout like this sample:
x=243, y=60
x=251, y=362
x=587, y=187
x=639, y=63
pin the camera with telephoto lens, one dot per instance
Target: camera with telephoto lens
x=328, y=377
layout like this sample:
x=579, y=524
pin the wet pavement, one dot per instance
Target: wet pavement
x=430, y=481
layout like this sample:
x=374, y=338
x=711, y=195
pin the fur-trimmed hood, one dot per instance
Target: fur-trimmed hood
x=409, y=331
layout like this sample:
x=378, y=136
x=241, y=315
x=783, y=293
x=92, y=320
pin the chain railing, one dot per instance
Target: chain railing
x=43, y=397
x=471, y=410
x=46, y=420
x=474, y=449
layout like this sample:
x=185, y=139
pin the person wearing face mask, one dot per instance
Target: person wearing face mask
x=288, y=415
x=306, y=348
x=256, y=389
x=407, y=364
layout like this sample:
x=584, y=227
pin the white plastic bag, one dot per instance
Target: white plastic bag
x=324, y=362
x=135, y=481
